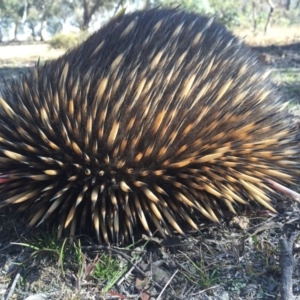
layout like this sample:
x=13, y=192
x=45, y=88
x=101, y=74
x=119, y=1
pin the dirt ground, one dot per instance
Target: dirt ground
x=237, y=259
x=17, y=52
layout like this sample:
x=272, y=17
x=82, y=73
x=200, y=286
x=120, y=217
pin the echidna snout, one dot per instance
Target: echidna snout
x=157, y=117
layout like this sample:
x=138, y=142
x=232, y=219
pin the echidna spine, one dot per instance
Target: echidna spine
x=158, y=117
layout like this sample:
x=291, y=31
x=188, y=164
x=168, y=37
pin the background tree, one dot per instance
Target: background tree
x=40, y=16
x=45, y=14
x=13, y=15
x=84, y=11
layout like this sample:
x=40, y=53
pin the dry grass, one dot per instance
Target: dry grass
x=31, y=52
x=275, y=36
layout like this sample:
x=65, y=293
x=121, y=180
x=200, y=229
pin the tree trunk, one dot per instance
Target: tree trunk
x=288, y=4
x=254, y=15
x=33, y=34
x=41, y=31
x=147, y=4
x=15, y=38
x=88, y=12
x=270, y=16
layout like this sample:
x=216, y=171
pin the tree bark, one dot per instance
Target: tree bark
x=88, y=12
x=254, y=15
x=15, y=38
x=270, y=16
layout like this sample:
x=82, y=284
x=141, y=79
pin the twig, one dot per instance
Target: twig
x=169, y=281
x=128, y=273
x=13, y=286
x=205, y=290
x=287, y=263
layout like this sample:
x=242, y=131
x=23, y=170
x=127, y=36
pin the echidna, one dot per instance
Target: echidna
x=158, y=116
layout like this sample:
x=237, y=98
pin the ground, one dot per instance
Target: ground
x=238, y=259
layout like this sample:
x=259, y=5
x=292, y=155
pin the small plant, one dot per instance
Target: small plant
x=207, y=278
x=109, y=269
x=46, y=242
x=106, y=268
x=198, y=273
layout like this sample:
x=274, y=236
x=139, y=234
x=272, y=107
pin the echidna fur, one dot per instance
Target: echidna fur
x=157, y=117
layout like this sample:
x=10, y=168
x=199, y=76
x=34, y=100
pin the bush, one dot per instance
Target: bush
x=67, y=41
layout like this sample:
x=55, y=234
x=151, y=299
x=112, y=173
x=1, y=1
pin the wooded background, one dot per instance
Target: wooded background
x=40, y=18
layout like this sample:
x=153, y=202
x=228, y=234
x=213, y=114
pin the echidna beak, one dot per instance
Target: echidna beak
x=4, y=179
x=284, y=190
